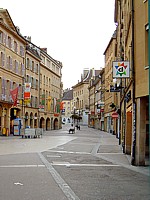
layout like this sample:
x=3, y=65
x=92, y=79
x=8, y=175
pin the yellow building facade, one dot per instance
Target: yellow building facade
x=22, y=63
x=12, y=70
x=111, y=97
x=131, y=18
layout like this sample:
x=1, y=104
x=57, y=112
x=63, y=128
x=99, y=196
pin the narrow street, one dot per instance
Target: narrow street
x=87, y=165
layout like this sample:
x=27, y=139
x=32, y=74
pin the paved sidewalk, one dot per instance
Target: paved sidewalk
x=110, y=150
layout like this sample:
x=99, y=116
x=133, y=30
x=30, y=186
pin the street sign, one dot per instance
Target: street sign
x=114, y=115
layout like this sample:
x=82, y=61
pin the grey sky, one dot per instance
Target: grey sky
x=75, y=32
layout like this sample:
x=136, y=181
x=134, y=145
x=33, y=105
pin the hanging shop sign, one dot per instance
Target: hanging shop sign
x=27, y=90
x=114, y=88
x=121, y=69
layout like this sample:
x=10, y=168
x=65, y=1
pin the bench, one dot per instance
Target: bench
x=72, y=130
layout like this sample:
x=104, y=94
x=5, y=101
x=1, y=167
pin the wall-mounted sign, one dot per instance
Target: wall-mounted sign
x=114, y=115
x=121, y=69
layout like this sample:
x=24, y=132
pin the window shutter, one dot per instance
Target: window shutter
x=30, y=64
x=7, y=62
x=12, y=44
x=33, y=105
x=29, y=79
x=23, y=69
x=3, y=86
x=10, y=63
x=3, y=59
x=22, y=51
x=4, y=38
x=17, y=67
x=10, y=88
x=17, y=48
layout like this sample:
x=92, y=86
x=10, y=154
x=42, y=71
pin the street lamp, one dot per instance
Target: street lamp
x=74, y=112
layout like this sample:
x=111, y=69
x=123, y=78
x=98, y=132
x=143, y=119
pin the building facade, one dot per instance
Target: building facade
x=131, y=18
x=111, y=96
x=81, y=96
x=67, y=107
x=22, y=65
x=12, y=70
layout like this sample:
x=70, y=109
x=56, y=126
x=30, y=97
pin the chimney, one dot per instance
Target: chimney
x=44, y=49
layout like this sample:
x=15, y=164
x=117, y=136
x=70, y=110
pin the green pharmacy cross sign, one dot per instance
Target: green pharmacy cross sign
x=121, y=69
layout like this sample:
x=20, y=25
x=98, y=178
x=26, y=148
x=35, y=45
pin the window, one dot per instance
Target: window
x=36, y=102
x=2, y=59
x=40, y=78
x=53, y=67
x=32, y=68
x=28, y=63
x=15, y=46
x=8, y=62
x=48, y=63
x=1, y=36
x=16, y=66
x=22, y=69
x=9, y=42
x=37, y=84
x=44, y=79
x=32, y=82
x=43, y=59
x=21, y=50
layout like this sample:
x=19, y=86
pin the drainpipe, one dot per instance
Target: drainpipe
x=149, y=66
x=39, y=85
x=133, y=95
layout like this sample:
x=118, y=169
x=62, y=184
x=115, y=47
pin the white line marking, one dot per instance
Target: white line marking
x=53, y=156
x=85, y=165
x=20, y=166
x=111, y=153
x=18, y=184
x=71, y=152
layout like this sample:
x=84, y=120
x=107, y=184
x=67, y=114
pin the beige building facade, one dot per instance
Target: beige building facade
x=50, y=92
x=12, y=70
x=111, y=96
x=22, y=63
x=131, y=18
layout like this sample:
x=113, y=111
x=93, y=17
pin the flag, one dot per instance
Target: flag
x=58, y=106
x=49, y=99
x=61, y=105
x=14, y=94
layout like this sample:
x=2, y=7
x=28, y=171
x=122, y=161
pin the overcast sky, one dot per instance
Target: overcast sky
x=75, y=32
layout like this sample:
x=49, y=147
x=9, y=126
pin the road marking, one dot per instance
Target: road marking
x=85, y=165
x=20, y=166
x=111, y=153
x=53, y=156
x=61, y=183
x=18, y=184
x=71, y=152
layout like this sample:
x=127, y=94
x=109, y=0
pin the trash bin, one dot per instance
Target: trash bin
x=4, y=131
